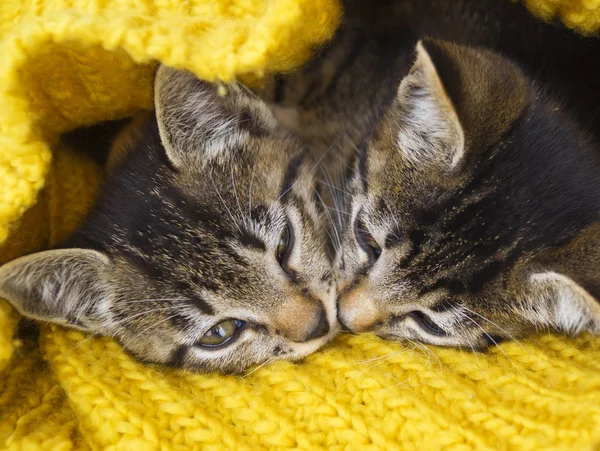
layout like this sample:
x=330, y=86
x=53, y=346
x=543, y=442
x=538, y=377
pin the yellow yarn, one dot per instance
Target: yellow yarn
x=69, y=63
x=582, y=15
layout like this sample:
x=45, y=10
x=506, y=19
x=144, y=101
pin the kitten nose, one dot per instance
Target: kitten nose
x=357, y=312
x=301, y=319
x=322, y=327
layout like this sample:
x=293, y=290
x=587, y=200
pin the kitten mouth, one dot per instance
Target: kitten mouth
x=426, y=323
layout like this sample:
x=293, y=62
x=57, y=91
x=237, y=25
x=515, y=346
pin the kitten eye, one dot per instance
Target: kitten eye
x=426, y=323
x=366, y=241
x=221, y=333
x=285, y=246
x=284, y=242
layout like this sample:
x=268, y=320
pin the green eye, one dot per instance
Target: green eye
x=284, y=243
x=221, y=333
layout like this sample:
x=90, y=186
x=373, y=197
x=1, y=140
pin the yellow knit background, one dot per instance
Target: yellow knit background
x=65, y=63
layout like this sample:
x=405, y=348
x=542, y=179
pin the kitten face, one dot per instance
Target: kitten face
x=206, y=248
x=474, y=211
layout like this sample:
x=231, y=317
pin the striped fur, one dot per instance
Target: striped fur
x=476, y=174
x=185, y=236
x=475, y=215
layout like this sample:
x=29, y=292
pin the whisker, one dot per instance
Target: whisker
x=158, y=300
x=254, y=370
x=148, y=312
x=337, y=241
x=380, y=361
x=156, y=323
x=235, y=193
x=381, y=357
x=430, y=353
x=404, y=382
x=250, y=191
x=492, y=323
x=233, y=220
x=310, y=172
x=464, y=331
x=492, y=339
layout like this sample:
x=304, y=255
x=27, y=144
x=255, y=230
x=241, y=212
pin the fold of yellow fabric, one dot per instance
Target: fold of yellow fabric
x=65, y=64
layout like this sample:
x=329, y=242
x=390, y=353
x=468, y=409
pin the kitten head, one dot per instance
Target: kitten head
x=474, y=210
x=206, y=248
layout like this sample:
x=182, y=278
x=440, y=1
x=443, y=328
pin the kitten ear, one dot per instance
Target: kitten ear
x=570, y=307
x=197, y=123
x=455, y=98
x=61, y=286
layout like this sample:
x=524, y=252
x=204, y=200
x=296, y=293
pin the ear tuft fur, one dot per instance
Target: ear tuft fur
x=456, y=98
x=200, y=121
x=62, y=286
x=430, y=131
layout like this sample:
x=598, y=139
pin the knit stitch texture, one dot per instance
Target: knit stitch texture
x=67, y=63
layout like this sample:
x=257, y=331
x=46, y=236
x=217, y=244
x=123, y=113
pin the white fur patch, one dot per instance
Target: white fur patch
x=562, y=304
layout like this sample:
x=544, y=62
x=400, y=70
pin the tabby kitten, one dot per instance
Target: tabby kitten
x=474, y=209
x=471, y=213
x=205, y=248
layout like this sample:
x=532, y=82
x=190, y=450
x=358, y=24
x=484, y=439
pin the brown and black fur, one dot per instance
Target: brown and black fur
x=351, y=80
x=485, y=213
x=185, y=236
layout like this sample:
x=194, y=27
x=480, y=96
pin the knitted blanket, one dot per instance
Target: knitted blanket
x=67, y=63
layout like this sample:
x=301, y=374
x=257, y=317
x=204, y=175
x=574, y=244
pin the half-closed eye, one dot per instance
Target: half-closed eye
x=426, y=323
x=366, y=241
x=284, y=248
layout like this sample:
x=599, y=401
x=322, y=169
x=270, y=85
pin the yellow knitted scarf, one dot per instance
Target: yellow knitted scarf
x=67, y=63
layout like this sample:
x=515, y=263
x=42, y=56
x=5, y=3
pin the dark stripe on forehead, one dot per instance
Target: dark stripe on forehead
x=454, y=286
x=259, y=213
x=484, y=275
x=146, y=266
x=475, y=277
x=397, y=238
x=187, y=292
x=202, y=305
x=291, y=174
x=185, y=206
x=425, y=217
x=208, y=283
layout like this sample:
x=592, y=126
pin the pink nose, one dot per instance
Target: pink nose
x=301, y=319
x=357, y=312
